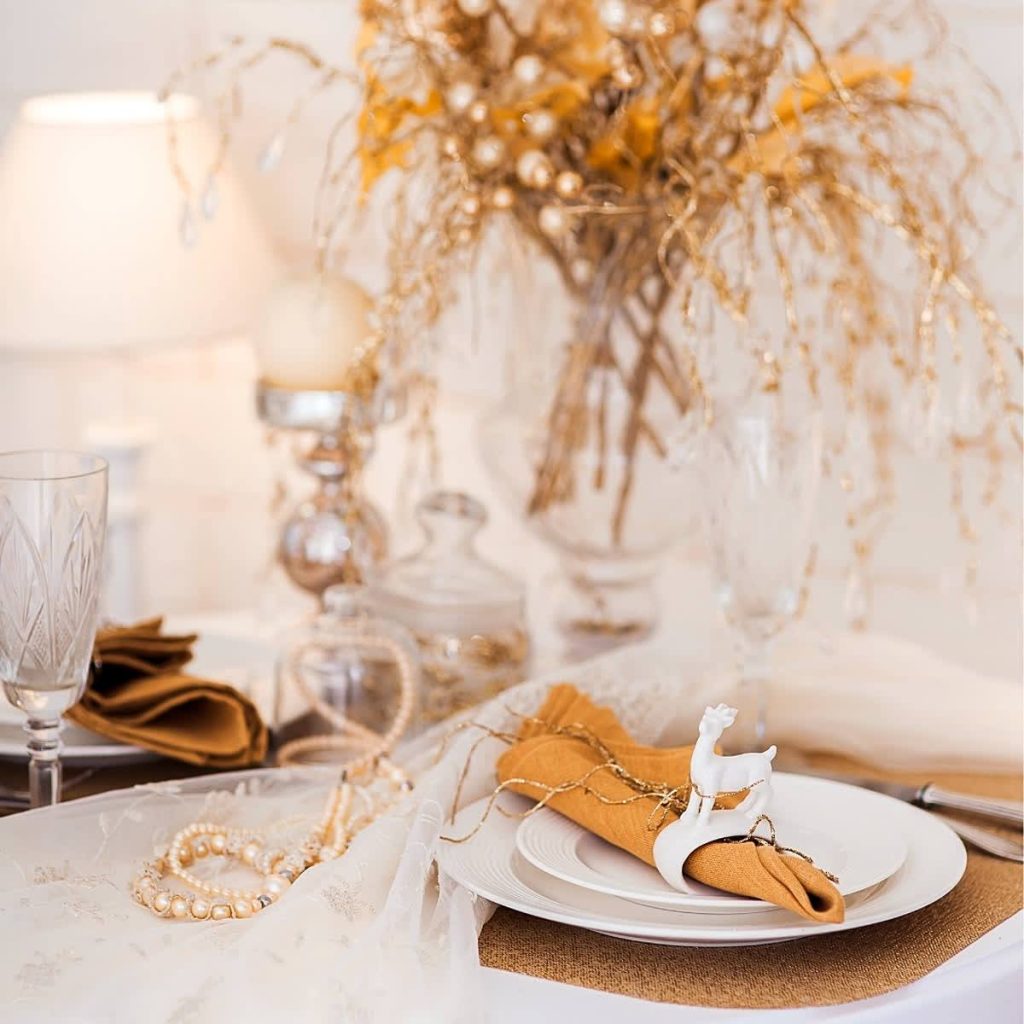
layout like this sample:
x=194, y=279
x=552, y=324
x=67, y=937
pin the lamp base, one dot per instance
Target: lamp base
x=332, y=538
x=338, y=534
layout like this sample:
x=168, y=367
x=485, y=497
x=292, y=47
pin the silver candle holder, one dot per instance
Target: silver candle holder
x=337, y=533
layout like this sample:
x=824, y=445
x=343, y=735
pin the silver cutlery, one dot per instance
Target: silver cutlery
x=990, y=842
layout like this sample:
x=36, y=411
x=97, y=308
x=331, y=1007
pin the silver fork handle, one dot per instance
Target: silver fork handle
x=998, y=846
x=989, y=807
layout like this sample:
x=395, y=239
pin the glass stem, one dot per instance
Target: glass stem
x=750, y=729
x=44, y=767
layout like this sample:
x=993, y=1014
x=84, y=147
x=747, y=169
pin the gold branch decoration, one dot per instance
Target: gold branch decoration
x=661, y=154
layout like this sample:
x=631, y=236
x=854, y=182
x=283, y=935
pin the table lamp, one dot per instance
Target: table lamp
x=94, y=254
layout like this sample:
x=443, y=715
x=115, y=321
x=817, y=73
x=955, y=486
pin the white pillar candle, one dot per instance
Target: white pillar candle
x=312, y=331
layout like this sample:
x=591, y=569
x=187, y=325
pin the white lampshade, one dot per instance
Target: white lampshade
x=91, y=250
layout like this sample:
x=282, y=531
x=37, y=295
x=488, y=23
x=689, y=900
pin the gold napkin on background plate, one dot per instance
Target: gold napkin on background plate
x=748, y=869
x=137, y=694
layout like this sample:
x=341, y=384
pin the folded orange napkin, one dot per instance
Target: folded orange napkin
x=138, y=694
x=543, y=756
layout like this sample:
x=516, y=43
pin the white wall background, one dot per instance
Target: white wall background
x=209, y=479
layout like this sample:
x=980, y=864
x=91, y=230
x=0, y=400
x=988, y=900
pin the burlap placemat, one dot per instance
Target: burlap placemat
x=835, y=968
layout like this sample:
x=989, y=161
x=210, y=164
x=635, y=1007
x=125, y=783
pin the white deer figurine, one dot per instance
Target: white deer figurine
x=711, y=774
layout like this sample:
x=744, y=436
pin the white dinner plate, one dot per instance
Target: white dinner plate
x=245, y=662
x=490, y=866
x=852, y=833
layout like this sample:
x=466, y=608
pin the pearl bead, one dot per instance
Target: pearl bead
x=568, y=184
x=185, y=854
x=200, y=909
x=541, y=124
x=250, y=852
x=488, y=152
x=200, y=849
x=450, y=147
x=637, y=25
x=470, y=205
x=553, y=221
x=502, y=198
x=660, y=24
x=474, y=8
x=276, y=885
x=613, y=15
x=242, y=907
x=459, y=96
x=528, y=68
x=478, y=112
x=161, y=902
x=217, y=844
x=220, y=912
x=179, y=907
x=533, y=168
x=628, y=76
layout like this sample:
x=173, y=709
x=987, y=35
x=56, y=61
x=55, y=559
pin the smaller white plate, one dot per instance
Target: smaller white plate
x=845, y=830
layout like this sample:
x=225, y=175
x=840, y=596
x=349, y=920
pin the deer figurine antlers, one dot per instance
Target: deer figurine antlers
x=711, y=775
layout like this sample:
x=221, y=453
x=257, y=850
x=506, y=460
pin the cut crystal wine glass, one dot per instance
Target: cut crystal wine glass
x=53, y=512
x=762, y=466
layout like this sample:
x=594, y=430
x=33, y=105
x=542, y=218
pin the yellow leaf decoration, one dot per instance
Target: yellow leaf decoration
x=626, y=151
x=381, y=117
x=773, y=154
x=815, y=86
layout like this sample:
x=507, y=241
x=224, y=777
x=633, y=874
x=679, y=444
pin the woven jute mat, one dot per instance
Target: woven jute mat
x=834, y=968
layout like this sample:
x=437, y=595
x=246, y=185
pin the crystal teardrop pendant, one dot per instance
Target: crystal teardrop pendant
x=187, y=227
x=272, y=153
x=210, y=200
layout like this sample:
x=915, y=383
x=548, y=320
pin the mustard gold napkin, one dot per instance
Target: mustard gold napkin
x=749, y=869
x=138, y=694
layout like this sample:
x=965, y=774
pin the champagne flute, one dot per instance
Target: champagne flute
x=763, y=469
x=53, y=513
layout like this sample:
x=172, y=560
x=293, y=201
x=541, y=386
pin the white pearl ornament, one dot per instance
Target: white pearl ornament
x=528, y=68
x=460, y=96
x=553, y=221
x=534, y=169
x=474, y=8
x=541, y=124
x=488, y=152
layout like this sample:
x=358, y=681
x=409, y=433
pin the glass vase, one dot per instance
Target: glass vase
x=580, y=443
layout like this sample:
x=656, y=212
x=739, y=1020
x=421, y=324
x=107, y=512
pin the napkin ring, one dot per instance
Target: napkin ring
x=714, y=775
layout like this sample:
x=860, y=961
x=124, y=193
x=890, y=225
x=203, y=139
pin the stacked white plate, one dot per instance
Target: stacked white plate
x=891, y=859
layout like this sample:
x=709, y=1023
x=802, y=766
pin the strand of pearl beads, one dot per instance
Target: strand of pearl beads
x=278, y=868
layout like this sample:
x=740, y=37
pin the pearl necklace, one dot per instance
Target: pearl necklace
x=348, y=809
x=343, y=817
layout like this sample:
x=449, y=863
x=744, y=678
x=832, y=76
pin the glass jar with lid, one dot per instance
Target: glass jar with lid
x=468, y=616
x=342, y=673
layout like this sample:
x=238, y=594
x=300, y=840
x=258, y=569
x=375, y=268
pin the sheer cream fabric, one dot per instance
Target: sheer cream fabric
x=369, y=938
